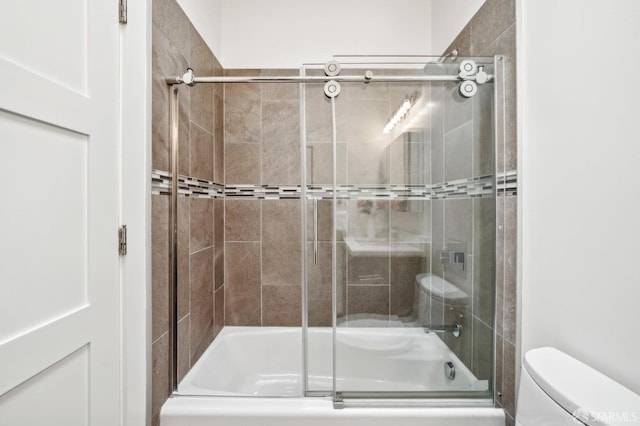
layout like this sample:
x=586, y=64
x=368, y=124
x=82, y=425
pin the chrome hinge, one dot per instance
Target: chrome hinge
x=122, y=11
x=122, y=240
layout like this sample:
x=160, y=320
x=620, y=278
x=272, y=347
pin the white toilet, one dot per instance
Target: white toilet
x=432, y=290
x=558, y=390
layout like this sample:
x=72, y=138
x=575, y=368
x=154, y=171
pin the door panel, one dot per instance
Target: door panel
x=71, y=374
x=59, y=276
x=406, y=252
x=48, y=39
x=54, y=158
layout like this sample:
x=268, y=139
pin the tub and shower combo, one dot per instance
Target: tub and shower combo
x=397, y=203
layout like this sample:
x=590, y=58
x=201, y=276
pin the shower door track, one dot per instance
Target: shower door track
x=190, y=79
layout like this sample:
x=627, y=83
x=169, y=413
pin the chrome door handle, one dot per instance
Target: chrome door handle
x=315, y=231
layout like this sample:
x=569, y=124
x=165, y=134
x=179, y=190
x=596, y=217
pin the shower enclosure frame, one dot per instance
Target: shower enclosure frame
x=189, y=79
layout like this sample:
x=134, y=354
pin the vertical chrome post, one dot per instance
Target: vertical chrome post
x=173, y=240
x=304, y=277
x=499, y=130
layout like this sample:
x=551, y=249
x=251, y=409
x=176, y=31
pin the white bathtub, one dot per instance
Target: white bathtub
x=242, y=377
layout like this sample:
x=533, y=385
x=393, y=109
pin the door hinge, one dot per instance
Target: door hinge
x=122, y=240
x=122, y=11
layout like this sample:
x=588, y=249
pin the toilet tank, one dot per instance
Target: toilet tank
x=556, y=389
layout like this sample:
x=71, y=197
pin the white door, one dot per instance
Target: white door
x=59, y=204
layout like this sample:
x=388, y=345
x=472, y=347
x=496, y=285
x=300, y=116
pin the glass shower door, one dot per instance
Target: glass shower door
x=399, y=296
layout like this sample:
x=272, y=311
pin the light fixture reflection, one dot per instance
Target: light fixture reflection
x=400, y=114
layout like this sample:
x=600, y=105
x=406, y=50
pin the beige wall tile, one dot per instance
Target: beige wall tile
x=201, y=223
x=169, y=17
x=510, y=272
x=202, y=63
x=403, y=276
x=437, y=133
x=493, y=18
x=281, y=305
x=201, y=147
x=218, y=238
x=281, y=142
x=242, y=163
x=165, y=58
x=242, y=284
x=159, y=265
x=218, y=311
x=184, y=220
x=242, y=220
x=366, y=299
x=484, y=282
x=458, y=160
x=508, y=379
x=242, y=110
x=218, y=133
x=281, y=262
x=482, y=350
x=280, y=91
x=201, y=316
x=499, y=366
x=159, y=373
x=457, y=109
x=184, y=336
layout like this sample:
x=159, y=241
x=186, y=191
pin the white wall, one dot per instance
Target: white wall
x=288, y=33
x=205, y=16
x=580, y=192
x=448, y=18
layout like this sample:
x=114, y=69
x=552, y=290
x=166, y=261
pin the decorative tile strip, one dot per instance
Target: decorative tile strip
x=263, y=192
x=507, y=183
x=369, y=192
x=462, y=188
x=187, y=186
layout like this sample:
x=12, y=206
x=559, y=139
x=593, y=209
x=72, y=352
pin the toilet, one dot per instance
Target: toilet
x=558, y=390
x=433, y=292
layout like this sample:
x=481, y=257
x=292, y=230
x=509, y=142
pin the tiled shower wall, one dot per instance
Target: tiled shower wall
x=461, y=138
x=492, y=31
x=262, y=237
x=176, y=45
x=253, y=139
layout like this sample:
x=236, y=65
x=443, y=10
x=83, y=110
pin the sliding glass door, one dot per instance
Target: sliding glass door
x=399, y=201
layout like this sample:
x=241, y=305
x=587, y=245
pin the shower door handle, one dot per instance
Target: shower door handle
x=315, y=231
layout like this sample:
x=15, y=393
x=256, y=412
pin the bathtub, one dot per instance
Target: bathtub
x=253, y=376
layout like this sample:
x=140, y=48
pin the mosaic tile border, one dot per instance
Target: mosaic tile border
x=187, y=186
x=477, y=187
x=507, y=183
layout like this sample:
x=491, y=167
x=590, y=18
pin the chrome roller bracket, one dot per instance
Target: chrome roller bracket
x=468, y=88
x=332, y=89
x=332, y=68
x=471, y=75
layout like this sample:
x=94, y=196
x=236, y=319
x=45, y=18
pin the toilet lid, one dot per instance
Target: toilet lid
x=441, y=288
x=587, y=394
